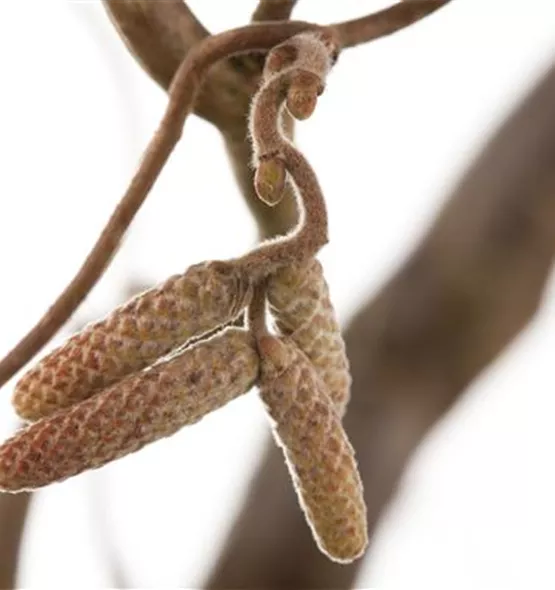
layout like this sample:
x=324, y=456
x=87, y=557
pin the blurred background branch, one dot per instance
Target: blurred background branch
x=473, y=283
x=13, y=515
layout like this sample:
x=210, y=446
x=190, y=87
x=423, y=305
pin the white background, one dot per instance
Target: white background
x=398, y=123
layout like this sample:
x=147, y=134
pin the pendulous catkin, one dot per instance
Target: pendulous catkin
x=318, y=454
x=300, y=303
x=138, y=410
x=132, y=337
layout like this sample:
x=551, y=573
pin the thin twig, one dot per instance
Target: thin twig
x=182, y=95
x=272, y=10
x=385, y=22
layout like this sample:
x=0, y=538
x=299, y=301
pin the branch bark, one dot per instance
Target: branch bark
x=471, y=286
x=269, y=10
x=385, y=22
x=13, y=515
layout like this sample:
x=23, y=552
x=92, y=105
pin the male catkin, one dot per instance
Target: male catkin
x=300, y=303
x=319, y=456
x=137, y=410
x=132, y=337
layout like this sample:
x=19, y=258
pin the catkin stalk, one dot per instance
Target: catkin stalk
x=132, y=337
x=300, y=303
x=138, y=410
x=318, y=454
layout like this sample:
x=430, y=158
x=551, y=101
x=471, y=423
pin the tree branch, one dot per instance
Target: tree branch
x=271, y=10
x=385, y=22
x=158, y=34
x=471, y=286
x=13, y=514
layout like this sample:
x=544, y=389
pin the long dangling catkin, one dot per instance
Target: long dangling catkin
x=300, y=303
x=138, y=410
x=319, y=456
x=132, y=337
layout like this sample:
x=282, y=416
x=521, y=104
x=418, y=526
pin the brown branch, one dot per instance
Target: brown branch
x=13, y=514
x=158, y=34
x=182, y=95
x=471, y=286
x=272, y=10
x=385, y=22
x=14, y=509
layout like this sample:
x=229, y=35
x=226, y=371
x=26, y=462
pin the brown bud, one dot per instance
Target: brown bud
x=302, y=95
x=300, y=302
x=138, y=410
x=132, y=337
x=269, y=180
x=318, y=454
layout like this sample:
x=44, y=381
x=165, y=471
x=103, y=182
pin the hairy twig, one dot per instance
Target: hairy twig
x=182, y=95
x=268, y=10
x=414, y=349
x=159, y=35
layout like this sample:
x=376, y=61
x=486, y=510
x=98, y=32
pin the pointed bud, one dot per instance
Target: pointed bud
x=269, y=180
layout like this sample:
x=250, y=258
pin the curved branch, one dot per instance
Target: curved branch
x=385, y=22
x=272, y=10
x=182, y=92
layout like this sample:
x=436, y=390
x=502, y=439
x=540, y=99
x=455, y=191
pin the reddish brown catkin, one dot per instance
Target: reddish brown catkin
x=132, y=337
x=319, y=456
x=138, y=410
x=300, y=303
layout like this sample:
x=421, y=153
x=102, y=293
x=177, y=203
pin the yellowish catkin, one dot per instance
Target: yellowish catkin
x=138, y=410
x=300, y=303
x=318, y=454
x=132, y=337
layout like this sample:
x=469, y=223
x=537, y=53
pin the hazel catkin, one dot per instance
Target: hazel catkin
x=132, y=337
x=318, y=454
x=300, y=303
x=137, y=410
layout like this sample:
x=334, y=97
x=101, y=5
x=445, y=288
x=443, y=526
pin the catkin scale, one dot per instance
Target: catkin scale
x=137, y=410
x=132, y=337
x=318, y=454
x=300, y=303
